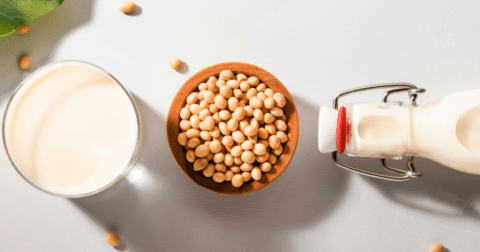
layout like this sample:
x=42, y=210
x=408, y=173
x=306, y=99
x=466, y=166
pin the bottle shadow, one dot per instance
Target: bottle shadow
x=157, y=207
x=39, y=42
x=440, y=191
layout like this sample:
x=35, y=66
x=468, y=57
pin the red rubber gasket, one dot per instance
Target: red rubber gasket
x=341, y=130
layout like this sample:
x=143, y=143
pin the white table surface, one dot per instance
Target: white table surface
x=316, y=48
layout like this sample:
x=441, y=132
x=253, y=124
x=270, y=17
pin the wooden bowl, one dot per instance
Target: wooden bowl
x=173, y=128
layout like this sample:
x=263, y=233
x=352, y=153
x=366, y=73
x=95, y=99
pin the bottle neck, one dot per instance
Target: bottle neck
x=379, y=129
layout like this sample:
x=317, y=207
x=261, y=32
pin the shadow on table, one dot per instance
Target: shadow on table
x=44, y=34
x=157, y=207
x=137, y=12
x=441, y=191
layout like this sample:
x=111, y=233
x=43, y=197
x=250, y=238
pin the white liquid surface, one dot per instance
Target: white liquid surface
x=71, y=129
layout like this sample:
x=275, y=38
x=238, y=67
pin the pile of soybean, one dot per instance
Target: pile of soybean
x=233, y=128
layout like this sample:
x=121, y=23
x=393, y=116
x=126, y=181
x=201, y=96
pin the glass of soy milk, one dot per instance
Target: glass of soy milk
x=71, y=129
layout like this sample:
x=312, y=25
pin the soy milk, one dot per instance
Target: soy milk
x=446, y=131
x=71, y=129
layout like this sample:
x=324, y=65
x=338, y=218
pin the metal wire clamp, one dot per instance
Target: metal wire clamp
x=409, y=170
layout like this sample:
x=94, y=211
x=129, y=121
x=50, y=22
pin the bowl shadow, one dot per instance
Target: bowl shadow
x=157, y=207
x=305, y=193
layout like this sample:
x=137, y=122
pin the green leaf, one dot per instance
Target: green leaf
x=16, y=13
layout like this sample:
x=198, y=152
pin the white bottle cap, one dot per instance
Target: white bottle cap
x=327, y=126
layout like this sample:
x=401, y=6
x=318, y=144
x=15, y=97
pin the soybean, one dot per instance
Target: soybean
x=200, y=164
x=129, y=6
x=237, y=180
x=218, y=177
